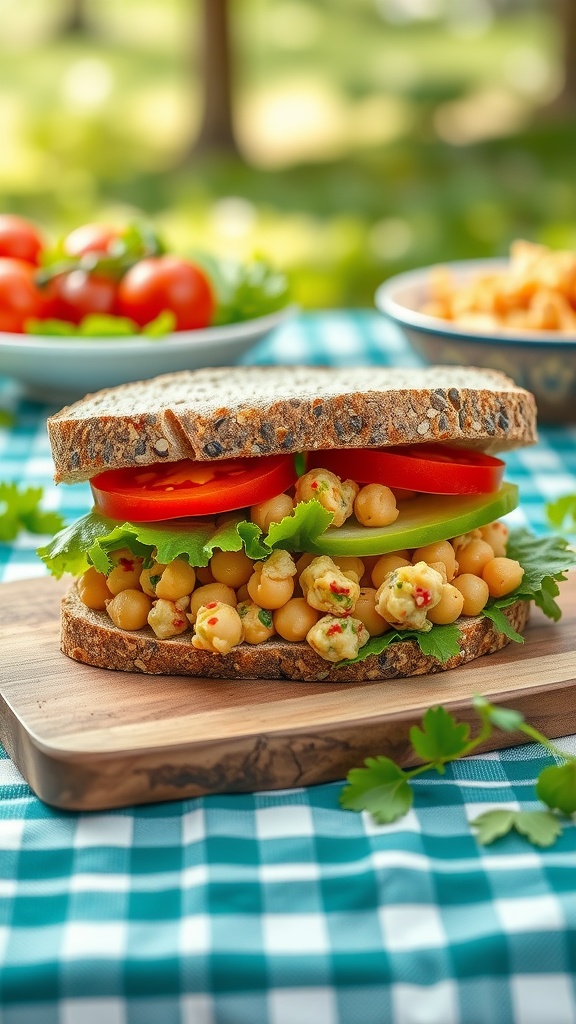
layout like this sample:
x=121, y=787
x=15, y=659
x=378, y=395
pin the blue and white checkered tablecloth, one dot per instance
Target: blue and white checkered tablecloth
x=281, y=908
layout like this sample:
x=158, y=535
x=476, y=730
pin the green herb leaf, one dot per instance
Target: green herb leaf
x=380, y=788
x=440, y=642
x=562, y=513
x=542, y=828
x=265, y=617
x=503, y=718
x=104, y=325
x=441, y=738
x=244, y=290
x=502, y=624
x=545, y=561
x=556, y=787
x=19, y=510
x=493, y=824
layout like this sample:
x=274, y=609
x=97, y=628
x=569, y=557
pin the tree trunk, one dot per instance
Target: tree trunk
x=216, y=133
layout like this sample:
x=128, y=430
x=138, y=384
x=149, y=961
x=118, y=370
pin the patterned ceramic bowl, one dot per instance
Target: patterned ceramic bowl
x=544, y=362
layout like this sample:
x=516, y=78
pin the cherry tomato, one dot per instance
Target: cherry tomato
x=73, y=296
x=90, y=238
x=158, y=283
x=433, y=469
x=189, y=488
x=19, y=239
x=20, y=299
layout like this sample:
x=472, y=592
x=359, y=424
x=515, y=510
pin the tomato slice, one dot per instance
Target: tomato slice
x=189, y=488
x=431, y=468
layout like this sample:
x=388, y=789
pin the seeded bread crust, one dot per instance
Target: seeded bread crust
x=91, y=638
x=263, y=410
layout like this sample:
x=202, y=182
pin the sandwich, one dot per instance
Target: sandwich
x=303, y=523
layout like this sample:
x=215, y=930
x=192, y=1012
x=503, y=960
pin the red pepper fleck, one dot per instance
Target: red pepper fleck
x=339, y=590
x=336, y=628
x=177, y=623
x=213, y=620
x=211, y=605
x=422, y=597
x=314, y=485
x=126, y=563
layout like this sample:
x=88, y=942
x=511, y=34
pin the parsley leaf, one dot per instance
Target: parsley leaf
x=495, y=613
x=556, y=787
x=542, y=828
x=381, y=788
x=441, y=738
x=19, y=510
x=562, y=512
x=441, y=642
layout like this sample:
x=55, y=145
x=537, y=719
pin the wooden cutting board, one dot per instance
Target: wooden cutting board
x=87, y=738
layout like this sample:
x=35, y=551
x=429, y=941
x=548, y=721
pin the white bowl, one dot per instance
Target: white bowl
x=544, y=362
x=61, y=370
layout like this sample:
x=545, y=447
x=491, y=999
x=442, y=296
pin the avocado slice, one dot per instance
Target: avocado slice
x=422, y=520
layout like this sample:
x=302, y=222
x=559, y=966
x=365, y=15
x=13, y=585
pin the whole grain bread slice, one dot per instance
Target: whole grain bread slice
x=90, y=637
x=263, y=410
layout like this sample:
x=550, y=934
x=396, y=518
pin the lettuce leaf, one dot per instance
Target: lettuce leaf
x=90, y=539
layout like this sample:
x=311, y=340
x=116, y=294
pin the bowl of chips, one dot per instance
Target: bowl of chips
x=517, y=315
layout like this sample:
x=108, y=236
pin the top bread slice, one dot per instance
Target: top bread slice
x=265, y=410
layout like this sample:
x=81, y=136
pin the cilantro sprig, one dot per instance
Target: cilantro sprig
x=383, y=788
x=20, y=510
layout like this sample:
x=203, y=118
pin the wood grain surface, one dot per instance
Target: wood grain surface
x=87, y=738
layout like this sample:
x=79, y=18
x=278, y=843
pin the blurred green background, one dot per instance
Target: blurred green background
x=358, y=137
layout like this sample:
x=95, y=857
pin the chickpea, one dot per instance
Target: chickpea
x=256, y=622
x=231, y=567
x=386, y=564
x=93, y=589
x=475, y=592
x=126, y=572
x=449, y=607
x=496, y=535
x=211, y=592
x=440, y=551
x=204, y=575
x=242, y=593
x=403, y=494
x=459, y=543
x=369, y=563
x=271, y=584
x=336, y=495
x=350, y=564
x=269, y=593
x=475, y=556
x=177, y=580
x=129, y=609
x=375, y=505
x=365, y=610
x=235, y=516
x=502, y=575
x=294, y=619
x=168, y=618
x=304, y=561
x=149, y=578
x=271, y=511
x=218, y=628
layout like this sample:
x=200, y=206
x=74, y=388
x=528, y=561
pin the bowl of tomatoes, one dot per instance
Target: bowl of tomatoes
x=108, y=305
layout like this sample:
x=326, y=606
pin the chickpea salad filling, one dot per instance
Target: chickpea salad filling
x=345, y=550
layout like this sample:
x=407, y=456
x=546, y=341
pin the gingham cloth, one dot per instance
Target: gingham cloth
x=281, y=908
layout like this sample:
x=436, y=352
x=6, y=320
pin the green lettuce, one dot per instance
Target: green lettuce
x=90, y=539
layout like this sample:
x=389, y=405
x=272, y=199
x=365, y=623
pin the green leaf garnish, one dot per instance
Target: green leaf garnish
x=20, y=510
x=244, y=290
x=440, y=642
x=380, y=788
x=493, y=824
x=164, y=323
x=562, y=513
x=556, y=787
x=440, y=738
x=542, y=828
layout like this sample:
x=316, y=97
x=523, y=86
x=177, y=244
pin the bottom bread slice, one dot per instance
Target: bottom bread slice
x=91, y=637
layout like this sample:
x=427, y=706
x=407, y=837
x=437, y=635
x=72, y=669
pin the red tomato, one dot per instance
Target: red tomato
x=20, y=299
x=19, y=239
x=158, y=283
x=433, y=469
x=73, y=296
x=189, y=488
x=90, y=238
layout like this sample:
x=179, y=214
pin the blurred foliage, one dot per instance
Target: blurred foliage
x=371, y=146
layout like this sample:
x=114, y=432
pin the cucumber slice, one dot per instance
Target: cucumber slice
x=422, y=520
